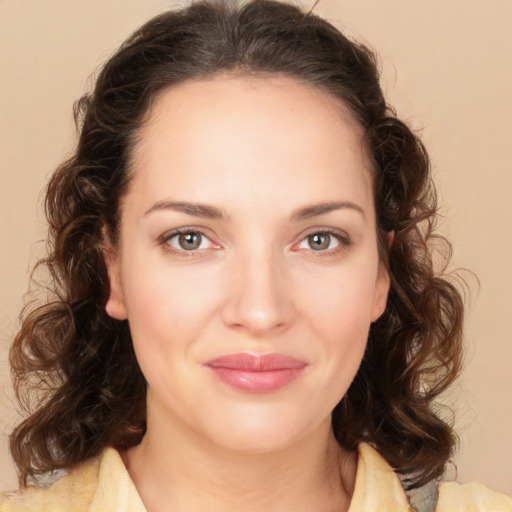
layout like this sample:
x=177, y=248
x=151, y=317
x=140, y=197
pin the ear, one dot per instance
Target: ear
x=115, y=306
x=380, y=296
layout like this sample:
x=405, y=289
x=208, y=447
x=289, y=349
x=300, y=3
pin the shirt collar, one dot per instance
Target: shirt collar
x=116, y=490
x=377, y=486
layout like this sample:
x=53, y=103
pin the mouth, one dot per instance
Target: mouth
x=256, y=373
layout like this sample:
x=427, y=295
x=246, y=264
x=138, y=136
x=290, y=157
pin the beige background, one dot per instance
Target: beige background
x=447, y=68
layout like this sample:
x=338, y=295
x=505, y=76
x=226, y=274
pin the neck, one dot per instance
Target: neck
x=175, y=469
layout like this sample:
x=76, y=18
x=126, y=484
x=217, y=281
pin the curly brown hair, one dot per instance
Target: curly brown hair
x=79, y=364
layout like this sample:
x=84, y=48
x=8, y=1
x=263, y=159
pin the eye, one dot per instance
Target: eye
x=189, y=240
x=321, y=241
x=324, y=241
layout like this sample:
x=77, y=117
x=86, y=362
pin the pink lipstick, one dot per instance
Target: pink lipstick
x=256, y=373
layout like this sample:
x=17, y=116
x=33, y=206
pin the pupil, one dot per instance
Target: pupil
x=190, y=241
x=319, y=241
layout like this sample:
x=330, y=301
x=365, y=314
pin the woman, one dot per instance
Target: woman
x=246, y=314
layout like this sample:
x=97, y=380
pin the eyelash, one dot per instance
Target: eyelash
x=167, y=237
x=343, y=239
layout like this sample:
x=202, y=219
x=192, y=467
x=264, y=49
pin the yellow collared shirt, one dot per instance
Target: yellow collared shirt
x=104, y=485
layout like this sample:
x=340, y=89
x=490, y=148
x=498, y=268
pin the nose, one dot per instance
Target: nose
x=259, y=299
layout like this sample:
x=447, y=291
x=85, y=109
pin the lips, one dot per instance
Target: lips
x=256, y=373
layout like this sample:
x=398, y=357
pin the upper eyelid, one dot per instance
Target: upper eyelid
x=186, y=229
x=339, y=233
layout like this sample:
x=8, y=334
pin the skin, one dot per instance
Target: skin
x=260, y=152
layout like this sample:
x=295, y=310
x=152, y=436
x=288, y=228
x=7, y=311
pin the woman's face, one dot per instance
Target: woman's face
x=247, y=264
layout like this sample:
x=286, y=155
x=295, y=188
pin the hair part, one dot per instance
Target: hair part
x=80, y=364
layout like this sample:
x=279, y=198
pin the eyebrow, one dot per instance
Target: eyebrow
x=212, y=212
x=194, y=209
x=323, y=208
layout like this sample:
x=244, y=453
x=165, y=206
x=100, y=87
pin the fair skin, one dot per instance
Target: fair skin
x=267, y=182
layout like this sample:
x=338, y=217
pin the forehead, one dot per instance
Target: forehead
x=257, y=134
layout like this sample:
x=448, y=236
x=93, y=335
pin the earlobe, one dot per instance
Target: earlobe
x=115, y=306
x=382, y=284
x=390, y=237
x=380, y=297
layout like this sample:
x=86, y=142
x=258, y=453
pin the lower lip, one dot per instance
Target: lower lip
x=257, y=381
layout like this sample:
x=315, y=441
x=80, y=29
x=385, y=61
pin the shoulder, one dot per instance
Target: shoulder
x=100, y=484
x=473, y=497
x=74, y=491
x=378, y=487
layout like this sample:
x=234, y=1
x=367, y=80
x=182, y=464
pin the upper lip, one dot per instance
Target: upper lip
x=256, y=362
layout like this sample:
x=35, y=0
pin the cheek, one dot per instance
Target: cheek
x=337, y=307
x=168, y=312
x=342, y=295
x=168, y=303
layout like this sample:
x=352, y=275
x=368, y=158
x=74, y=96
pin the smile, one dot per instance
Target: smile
x=256, y=373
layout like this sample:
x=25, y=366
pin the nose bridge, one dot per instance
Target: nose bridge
x=259, y=298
